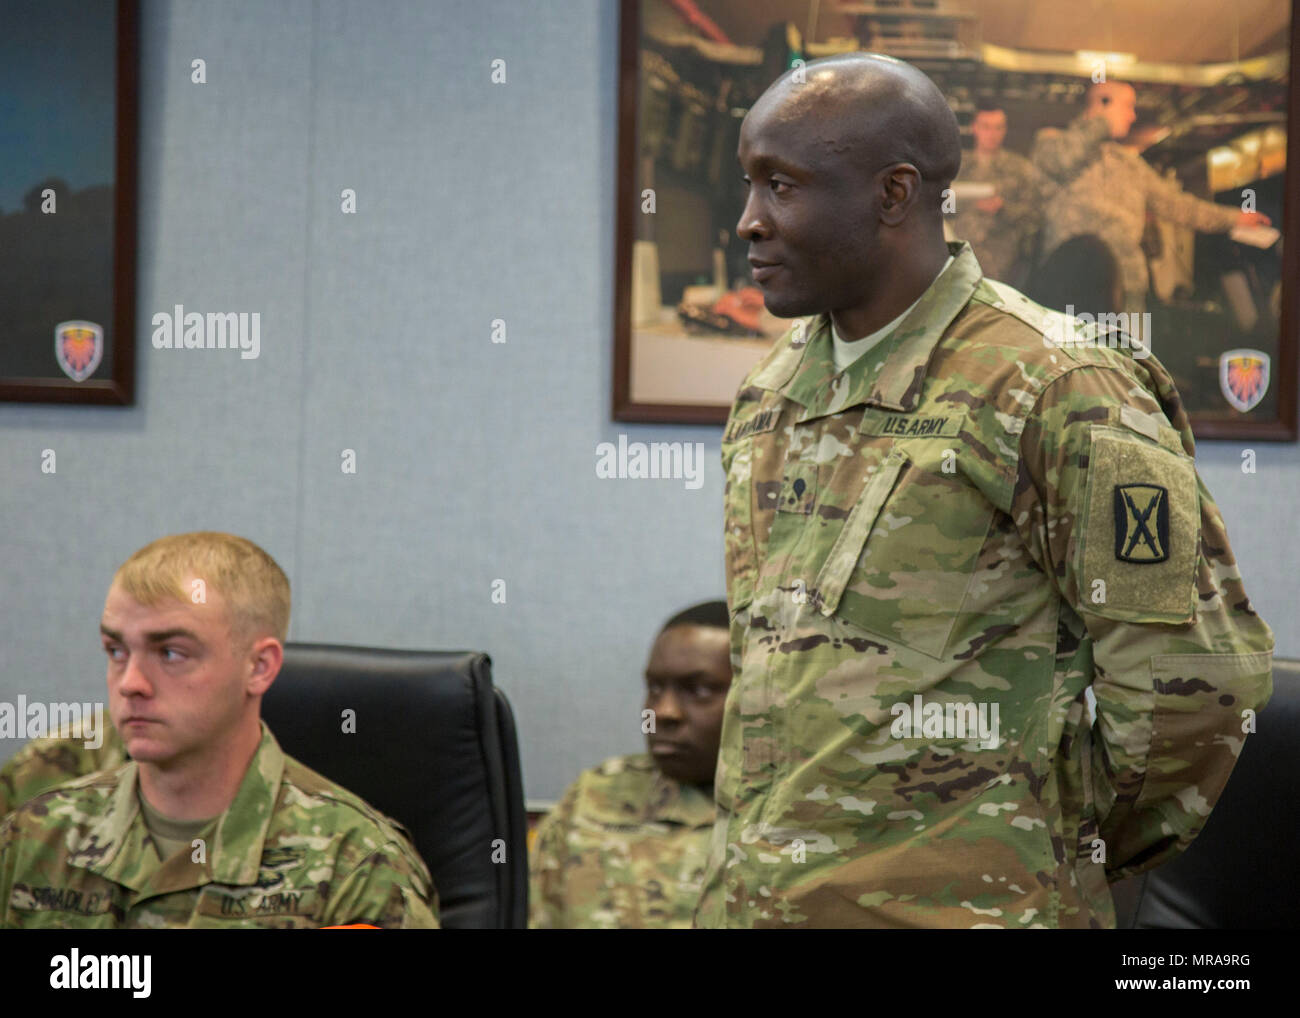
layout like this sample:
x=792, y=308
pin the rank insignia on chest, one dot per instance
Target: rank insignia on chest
x=1141, y=523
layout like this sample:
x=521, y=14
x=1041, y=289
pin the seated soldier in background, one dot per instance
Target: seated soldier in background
x=46, y=762
x=626, y=846
x=209, y=824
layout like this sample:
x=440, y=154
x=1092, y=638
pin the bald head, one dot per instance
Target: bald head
x=844, y=161
x=1116, y=103
x=1102, y=93
x=878, y=109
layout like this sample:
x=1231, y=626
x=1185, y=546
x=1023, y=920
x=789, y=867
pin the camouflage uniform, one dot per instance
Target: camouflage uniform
x=941, y=520
x=1107, y=190
x=293, y=851
x=43, y=764
x=625, y=848
x=1003, y=238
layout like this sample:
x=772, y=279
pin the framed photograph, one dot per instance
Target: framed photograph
x=69, y=78
x=1131, y=166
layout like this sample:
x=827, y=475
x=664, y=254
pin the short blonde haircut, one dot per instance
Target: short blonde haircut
x=254, y=587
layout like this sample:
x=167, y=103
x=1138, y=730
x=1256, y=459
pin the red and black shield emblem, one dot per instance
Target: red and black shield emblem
x=78, y=347
x=1243, y=377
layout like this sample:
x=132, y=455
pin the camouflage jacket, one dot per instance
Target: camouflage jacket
x=970, y=519
x=625, y=848
x=43, y=764
x=1107, y=190
x=292, y=851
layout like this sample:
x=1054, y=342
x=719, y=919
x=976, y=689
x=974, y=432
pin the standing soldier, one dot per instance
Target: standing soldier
x=1107, y=189
x=1001, y=228
x=935, y=551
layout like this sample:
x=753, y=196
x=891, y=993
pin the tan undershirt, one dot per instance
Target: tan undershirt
x=846, y=352
x=168, y=834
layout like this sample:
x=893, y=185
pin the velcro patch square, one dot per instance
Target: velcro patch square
x=1139, y=530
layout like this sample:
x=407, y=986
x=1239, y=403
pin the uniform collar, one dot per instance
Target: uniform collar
x=805, y=372
x=117, y=845
x=675, y=803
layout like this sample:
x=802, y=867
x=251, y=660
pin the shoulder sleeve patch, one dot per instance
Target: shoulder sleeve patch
x=1139, y=538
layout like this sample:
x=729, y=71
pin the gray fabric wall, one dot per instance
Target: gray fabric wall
x=476, y=461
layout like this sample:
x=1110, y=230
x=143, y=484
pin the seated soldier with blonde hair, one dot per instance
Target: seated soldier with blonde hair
x=208, y=824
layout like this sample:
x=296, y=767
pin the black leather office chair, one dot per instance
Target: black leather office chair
x=1239, y=872
x=434, y=748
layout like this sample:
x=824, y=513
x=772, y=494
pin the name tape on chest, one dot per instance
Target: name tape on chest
x=302, y=901
x=34, y=898
x=764, y=420
x=911, y=425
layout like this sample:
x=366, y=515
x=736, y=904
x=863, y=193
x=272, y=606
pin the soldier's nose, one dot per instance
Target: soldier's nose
x=133, y=680
x=669, y=708
x=750, y=225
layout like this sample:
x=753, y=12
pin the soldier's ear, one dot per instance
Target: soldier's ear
x=266, y=655
x=899, y=187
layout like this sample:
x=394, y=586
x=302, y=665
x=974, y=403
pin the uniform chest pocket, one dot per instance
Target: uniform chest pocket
x=902, y=566
x=738, y=536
